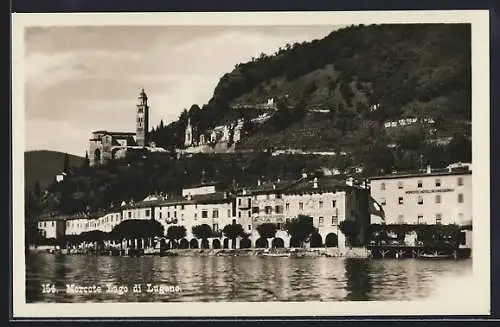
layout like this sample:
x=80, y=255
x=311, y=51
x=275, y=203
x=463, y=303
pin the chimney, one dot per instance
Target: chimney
x=225, y=195
x=315, y=183
x=259, y=182
x=429, y=170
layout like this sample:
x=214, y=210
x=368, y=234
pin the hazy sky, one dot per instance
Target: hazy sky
x=80, y=79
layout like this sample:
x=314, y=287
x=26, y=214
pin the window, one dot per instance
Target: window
x=195, y=216
x=268, y=210
x=249, y=202
x=278, y=196
x=419, y=184
x=234, y=221
x=159, y=215
x=239, y=202
x=239, y=214
x=182, y=207
x=320, y=204
x=301, y=206
x=334, y=203
x=215, y=213
x=287, y=206
x=438, y=219
x=400, y=184
x=400, y=200
x=249, y=227
x=460, y=181
x=382, y=186
x=438, y=198
x=321, y=221
x=420, y=200
x=204, y=214
x=401, y=219
x=420, y=219
x=215, y=227
x=175, y=214
x=267, y=196
x=229, y=212
x=335, y=220
x=249, y=213
x=147, y=213
x=383, y=201
x=255, y=210
x=129, y=214
x=168, y=214
x=460, y=198
x=438, y=182
x=279, y=209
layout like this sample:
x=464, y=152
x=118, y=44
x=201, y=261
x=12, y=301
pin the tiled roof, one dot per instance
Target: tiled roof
x=440, y=172
x=324, y=184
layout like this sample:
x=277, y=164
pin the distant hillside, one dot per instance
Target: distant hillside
x=406, y=70
x=43, y=165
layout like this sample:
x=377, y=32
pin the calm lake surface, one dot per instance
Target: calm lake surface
x=200, y=279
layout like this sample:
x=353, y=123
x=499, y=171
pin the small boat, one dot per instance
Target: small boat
x=435, y=256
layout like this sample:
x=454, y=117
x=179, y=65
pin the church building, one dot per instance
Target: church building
x=105, y=145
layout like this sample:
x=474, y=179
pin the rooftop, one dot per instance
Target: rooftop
x=432, y=172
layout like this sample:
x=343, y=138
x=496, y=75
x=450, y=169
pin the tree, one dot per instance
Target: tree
x=267, y=230
x=300, y=228
x=351, y=230
x=202, y=231
x=66, y=163
x=233, y=231
x=175, y=233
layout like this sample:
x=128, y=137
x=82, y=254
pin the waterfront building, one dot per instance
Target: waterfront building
x=435, y=196
x=51, y=226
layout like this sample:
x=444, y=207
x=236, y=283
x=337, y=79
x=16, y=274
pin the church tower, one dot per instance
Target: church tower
x=188, y=140
x=142, y=120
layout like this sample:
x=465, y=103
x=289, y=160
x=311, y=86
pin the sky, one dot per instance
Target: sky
x=84, y=78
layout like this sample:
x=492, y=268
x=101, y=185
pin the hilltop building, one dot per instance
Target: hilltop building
x=105, y=145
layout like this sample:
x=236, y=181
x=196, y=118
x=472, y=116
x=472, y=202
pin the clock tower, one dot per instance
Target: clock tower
x=142, y=121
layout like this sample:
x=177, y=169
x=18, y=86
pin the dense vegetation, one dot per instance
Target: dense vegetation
x=362, y=76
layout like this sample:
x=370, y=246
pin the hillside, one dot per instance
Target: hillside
x=43, y=165
x=409, y=70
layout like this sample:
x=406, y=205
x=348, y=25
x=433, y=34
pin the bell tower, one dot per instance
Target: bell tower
x=142, y=121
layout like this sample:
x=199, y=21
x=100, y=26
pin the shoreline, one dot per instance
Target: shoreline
x=359, y=253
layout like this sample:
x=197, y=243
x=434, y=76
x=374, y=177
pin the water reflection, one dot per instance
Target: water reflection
x=237, y=278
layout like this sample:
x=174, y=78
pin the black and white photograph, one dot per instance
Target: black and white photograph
x=217, y=163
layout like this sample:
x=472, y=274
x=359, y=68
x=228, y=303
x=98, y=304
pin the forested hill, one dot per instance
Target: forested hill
x=407, y=70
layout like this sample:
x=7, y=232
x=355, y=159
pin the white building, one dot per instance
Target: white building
x=431, y=197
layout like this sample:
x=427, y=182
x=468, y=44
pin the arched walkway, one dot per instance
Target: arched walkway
x=332, y=240
x=183, y=244
x=226, y=243
x=294, y=243
x=316, y=240
x=216, y=244
x=97, y=157
x=245, y=243
x=204, y=244
x=261, y=243
x=193, y=244
x=278, y=243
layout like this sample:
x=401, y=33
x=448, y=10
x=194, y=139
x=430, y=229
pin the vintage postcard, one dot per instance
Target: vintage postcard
x=251, y=164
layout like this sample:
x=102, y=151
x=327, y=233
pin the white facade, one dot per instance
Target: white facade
x=427, y=198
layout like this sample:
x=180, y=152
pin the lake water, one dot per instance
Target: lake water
x=211, y=278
